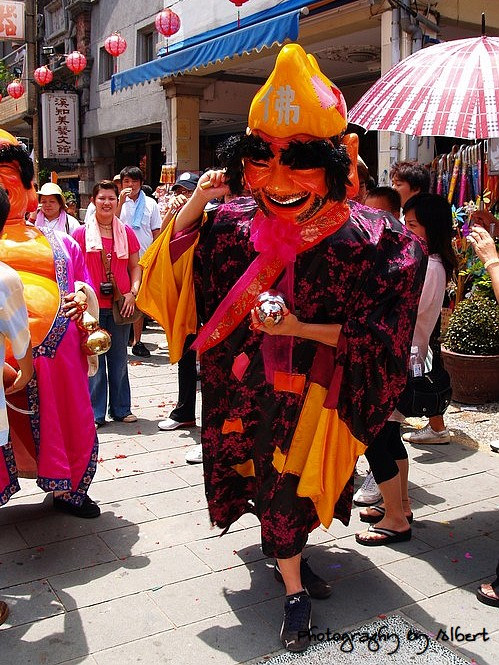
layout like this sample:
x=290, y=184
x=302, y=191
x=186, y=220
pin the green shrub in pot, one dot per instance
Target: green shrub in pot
x=474, y=327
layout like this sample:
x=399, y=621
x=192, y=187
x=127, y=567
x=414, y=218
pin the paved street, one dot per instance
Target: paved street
x=151, y=582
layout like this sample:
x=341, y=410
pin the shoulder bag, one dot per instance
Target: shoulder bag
x=427, y=395
x=118, y=297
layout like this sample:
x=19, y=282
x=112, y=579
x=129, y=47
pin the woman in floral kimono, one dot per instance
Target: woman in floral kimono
x=287, y=408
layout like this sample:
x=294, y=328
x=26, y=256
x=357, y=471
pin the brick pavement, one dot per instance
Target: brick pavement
x=151, y=581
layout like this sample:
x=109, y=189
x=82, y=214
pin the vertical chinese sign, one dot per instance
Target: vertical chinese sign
x=12, y=20
x=61, y=134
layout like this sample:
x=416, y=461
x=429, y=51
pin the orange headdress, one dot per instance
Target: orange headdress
x=298, y=99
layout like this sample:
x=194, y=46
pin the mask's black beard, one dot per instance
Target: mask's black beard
x=316, y=204
x=314, y=208
x=257, y=195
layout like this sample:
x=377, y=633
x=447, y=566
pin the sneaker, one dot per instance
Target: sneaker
x=315, y=586
x=88, y=508
x=428, y=435
x=295, y=630
x=369, y=493
x=169, y=424
x=494, y=446
x=194, y=456
x=141, y=350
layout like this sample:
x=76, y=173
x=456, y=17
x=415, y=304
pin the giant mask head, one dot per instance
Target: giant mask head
x=295, y=159
x=16, y=176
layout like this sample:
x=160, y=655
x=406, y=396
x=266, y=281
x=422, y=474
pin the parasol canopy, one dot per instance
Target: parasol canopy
x=449, y=89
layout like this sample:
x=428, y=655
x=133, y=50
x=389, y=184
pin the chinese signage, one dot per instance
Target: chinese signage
x=11, y=20
x=60, y=125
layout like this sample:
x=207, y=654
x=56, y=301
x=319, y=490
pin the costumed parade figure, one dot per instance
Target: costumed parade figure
x=292, y=394
x=52, y=431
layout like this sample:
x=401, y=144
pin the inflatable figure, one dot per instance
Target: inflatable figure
x=52, y=431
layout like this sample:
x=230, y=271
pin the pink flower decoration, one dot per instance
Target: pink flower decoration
x=274, y=237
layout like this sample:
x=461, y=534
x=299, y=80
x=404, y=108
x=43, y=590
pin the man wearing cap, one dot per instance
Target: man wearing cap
x=141, y=213
x=292, y=393
x=52, y=212
x=182, y=190
x=184, y=414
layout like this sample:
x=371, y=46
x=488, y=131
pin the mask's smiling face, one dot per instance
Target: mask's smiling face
x=285, y=182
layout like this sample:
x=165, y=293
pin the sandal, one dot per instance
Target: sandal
x=131, y=418
x=378, y=516
x=390, y=536
x=485, y=598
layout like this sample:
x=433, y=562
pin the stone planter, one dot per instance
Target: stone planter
x=474, y=379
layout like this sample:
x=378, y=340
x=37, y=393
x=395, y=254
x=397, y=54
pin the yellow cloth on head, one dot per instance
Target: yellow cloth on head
x=323, y=453
x=167, y=291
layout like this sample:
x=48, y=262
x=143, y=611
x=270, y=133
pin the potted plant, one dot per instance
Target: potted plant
x=470, y=349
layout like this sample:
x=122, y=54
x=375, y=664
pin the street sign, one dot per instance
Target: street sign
x=60, y=125
x=11, y=21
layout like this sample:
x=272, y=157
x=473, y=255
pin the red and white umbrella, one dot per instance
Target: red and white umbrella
x=449, y=89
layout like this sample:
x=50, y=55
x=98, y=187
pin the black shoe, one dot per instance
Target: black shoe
x=141, y=350
x=88, y=508
x=295, y=630
x=315, y=585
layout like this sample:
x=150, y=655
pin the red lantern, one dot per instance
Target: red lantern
x=115, y=44
x=15, y=89
x=167, y=23
x=238, y=3
x=43, y=75
x=76, y=62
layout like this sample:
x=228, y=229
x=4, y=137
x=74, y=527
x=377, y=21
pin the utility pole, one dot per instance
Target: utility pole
x=31, y=13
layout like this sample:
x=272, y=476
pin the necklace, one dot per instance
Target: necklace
x=106, y=226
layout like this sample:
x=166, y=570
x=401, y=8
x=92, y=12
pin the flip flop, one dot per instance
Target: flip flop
x=390, y=536
x=374, y=519
x=485, y=599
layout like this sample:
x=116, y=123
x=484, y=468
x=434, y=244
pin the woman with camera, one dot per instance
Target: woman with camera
x=111, y=252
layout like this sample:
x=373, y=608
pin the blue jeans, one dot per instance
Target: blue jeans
x=113, y=370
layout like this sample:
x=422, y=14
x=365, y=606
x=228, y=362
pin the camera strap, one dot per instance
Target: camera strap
x=107, y=268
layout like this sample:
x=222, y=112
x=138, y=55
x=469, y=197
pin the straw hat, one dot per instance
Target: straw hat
x=51, y=189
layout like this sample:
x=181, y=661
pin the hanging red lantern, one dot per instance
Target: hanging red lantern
x=238, y=3
x=15, y=89
x=167, y=23
x=76, y=62
x=43, y=75
x=115, y=44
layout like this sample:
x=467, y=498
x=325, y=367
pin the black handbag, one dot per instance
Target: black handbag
x=427, y=395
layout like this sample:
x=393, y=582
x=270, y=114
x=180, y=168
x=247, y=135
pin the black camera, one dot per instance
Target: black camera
x=106, y=288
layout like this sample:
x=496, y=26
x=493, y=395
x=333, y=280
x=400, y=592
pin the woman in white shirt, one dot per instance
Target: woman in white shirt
x=52, y=210
x=429, y=216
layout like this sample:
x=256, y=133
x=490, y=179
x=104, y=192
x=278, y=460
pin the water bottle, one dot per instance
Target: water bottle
x=415, y=363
